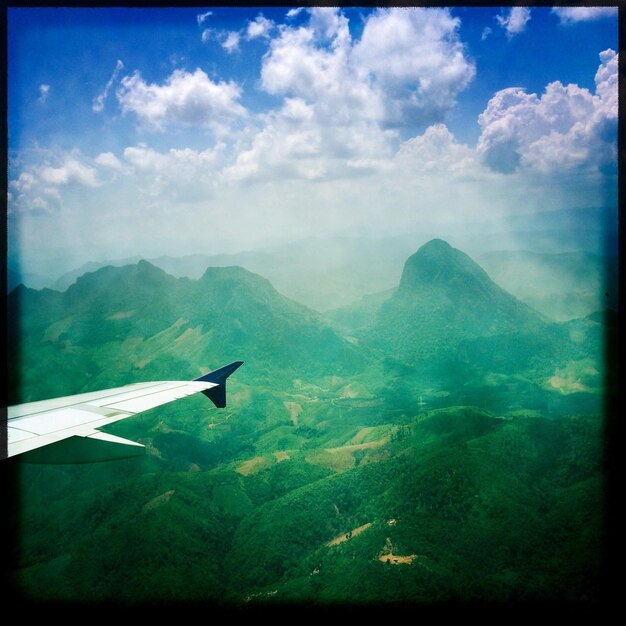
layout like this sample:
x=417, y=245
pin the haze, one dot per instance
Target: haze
x=139, y=133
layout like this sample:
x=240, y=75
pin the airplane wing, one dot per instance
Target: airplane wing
x=64, y=430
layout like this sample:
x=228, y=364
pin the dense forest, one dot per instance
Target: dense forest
x=438, y=442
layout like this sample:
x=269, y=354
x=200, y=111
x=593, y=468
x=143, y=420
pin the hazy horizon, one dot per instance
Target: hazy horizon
x=229, y=130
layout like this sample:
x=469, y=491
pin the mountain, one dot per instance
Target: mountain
x=378, y=467
x=36, y=281
x=443, y=298
x=320, y=273
x=358, y=315
x=452, y=505
x=69, y=278
x=562, y=286
x=136, y=322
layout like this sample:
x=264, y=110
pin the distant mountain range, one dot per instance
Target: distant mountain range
x=562, y=286
x=446, y=313
x=325, y=274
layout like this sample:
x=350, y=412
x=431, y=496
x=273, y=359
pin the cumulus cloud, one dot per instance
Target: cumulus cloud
x=44, y=90
x=566, y=128
x=436, y=151
x=515, y=21
x=300, y=65
x=335, y=149
x=98, y=102
x=417, y=59
x=108, y=160
x=343, y=99
x=408, y=65
x=293, y=144
x=228, y=39
x=184, y=98
x=72, y=171
x=259, y=27
x=571, y=15
x=25, y=182
x=40, y=185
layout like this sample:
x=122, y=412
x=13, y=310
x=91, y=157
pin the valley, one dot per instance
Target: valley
x=443, y=443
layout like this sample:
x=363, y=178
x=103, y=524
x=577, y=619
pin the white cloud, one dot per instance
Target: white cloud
x=98, y=102
x=108, y=160
x=606, y=80
x=293, y=12
x=44, y=90
x=566, y=128
x=259, y=27
x=436, y=151
x=184, y=98
x=571, y=15
x=515, y=22
x=40, y=186
x=231, y=42
x=486, y=32
x=342, y=98
x=181, y=174
x=24, y=182
x=330, y=156
x=409, y=65
x=72, y=171
x=417, y=59
x=202, y=17
x=298, y=65
x=293, y=144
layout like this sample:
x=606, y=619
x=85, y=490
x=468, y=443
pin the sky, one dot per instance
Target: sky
x=179, y=131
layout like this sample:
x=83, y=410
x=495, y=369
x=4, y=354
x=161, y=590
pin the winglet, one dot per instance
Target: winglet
x=217, y=394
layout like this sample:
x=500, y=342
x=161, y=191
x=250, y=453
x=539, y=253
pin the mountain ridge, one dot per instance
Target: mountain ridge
x=152, y=318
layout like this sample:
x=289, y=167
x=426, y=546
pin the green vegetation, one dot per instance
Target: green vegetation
x=441, y=443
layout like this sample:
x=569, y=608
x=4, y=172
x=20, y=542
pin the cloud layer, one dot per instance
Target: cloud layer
x=350, y=124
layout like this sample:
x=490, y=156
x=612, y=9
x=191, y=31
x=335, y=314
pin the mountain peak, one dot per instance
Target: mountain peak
x=435, y=245
x=445, y=298
x=438, y=262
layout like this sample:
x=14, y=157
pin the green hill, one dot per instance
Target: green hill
x=449, y=450
x=132, y=323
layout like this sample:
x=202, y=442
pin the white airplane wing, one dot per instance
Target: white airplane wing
x=64, y=430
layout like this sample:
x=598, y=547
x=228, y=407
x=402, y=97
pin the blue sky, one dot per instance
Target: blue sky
x=138, y=131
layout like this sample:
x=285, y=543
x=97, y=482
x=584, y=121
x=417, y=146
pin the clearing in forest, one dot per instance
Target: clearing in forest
x=349, y=535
